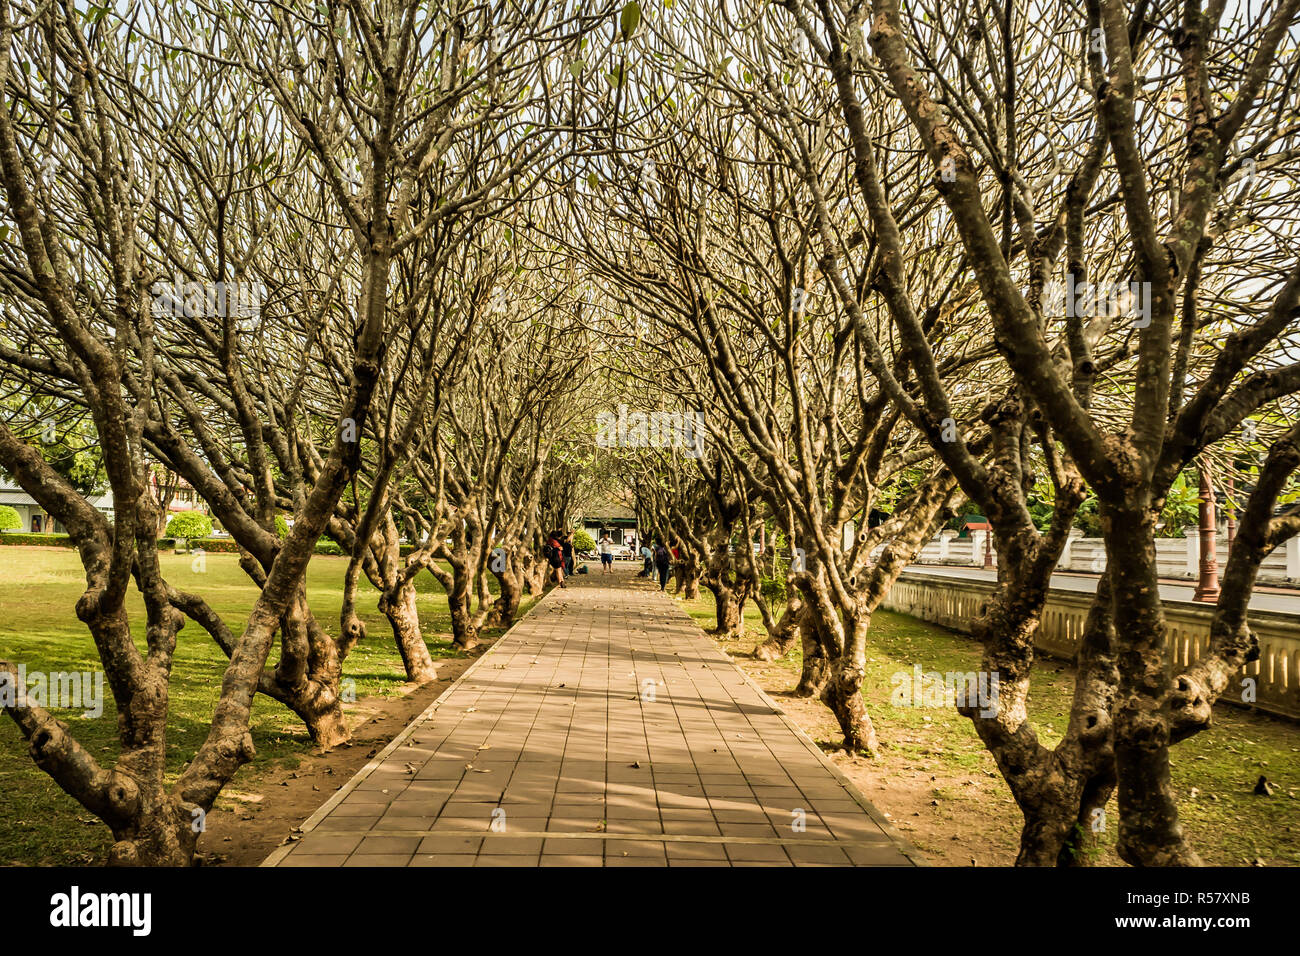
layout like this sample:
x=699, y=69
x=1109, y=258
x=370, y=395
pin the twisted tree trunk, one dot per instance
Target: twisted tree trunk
x=510, y=583
x=815, y=668
x=400, y=605
x=308, y=675
x=783, y=633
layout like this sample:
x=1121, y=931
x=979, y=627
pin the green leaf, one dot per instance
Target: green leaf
x=629, y=19
x=576, y=69
x=592, y=181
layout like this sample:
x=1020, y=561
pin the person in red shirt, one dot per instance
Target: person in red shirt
x=554, y=554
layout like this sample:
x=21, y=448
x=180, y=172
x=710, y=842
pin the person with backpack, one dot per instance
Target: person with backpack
x=553, y=552
x=566, y=544
x=663, y=563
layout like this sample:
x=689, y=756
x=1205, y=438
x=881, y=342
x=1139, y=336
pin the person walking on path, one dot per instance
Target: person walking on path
x=648, y=557
x=567, y=544
x=663, y=562
x=606, y=545
x=553, y=551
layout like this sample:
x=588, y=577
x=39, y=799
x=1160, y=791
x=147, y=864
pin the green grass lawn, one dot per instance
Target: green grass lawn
x=1214, y=773
x=39, y=824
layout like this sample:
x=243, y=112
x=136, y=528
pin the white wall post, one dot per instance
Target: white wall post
x=1067, y=553
x=945, y=544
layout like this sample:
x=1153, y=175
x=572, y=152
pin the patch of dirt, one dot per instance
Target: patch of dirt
x=254, y=816
x=955, y=818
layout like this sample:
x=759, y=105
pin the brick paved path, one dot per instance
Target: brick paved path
x=604, y=729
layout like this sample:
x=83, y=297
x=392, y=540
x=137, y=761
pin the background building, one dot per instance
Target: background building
x=178, y=494
x=32, y=515
x=619, y=521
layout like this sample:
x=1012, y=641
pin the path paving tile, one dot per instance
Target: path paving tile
x=604, y=729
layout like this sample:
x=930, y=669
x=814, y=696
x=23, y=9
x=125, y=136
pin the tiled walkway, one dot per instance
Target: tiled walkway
x=604, y=729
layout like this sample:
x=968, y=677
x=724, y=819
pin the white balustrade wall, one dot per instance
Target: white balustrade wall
x=1177, y=557
x=955, y=603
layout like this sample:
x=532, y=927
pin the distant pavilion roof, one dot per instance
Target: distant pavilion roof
x=609, y=509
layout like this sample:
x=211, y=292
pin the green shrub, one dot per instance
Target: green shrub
x=9, y=519
x=210, y=545
x=188, y=525
x=216, y=545
x=49, y=540
x=281, y=526
x=582, y=541
x=229, y=546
